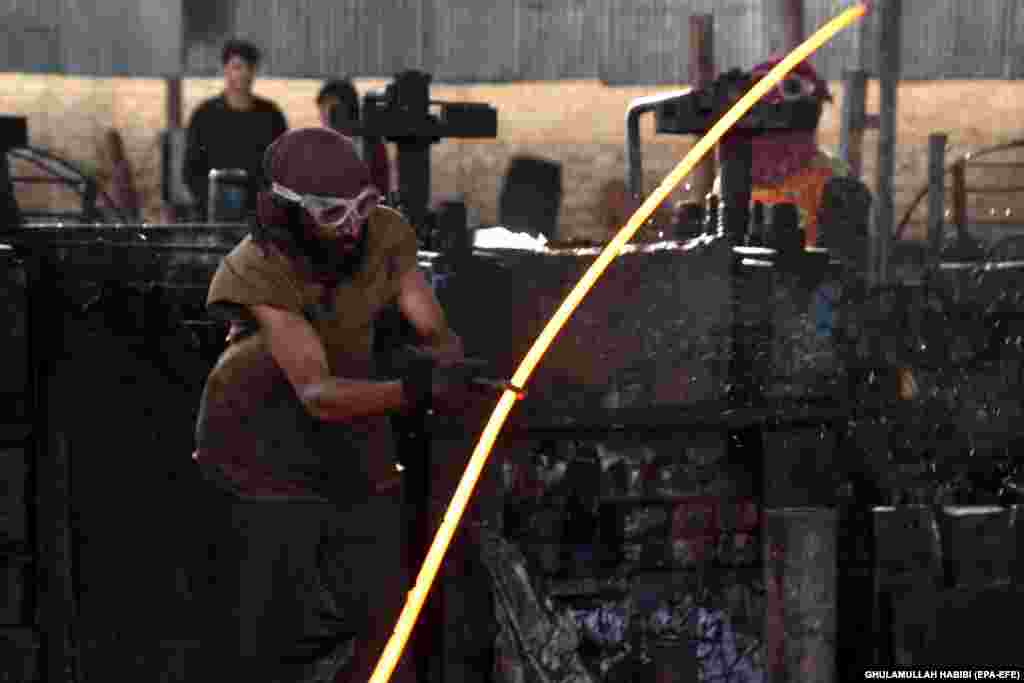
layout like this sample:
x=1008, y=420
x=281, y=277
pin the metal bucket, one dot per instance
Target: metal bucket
x=228, y=195
x=800, y=579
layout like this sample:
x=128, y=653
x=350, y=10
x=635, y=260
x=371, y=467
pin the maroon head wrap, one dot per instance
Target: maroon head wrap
x=803, y=76
x=780, y=155
x=317, y=161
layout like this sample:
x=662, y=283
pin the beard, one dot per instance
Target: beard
x=336, y=259
x=329, y=261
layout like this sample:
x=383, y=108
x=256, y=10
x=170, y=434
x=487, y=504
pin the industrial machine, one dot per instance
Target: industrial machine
x=694, y=112
x=404, y=114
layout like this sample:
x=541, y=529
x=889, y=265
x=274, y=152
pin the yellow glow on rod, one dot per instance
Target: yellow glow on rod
x=418, y=595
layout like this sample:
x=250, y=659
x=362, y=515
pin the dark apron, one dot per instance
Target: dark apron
x=302, y=587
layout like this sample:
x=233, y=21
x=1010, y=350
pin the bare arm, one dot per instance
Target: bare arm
x=297, y=350
x=421, y=308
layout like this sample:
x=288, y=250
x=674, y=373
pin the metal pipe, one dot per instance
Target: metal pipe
x=702, y=74
x=793, y=23
x=936, y=193
x=852, y=118
x=736, y=158
x=175, y=100
x=890, y=53
x=145, y=246
x=768, y=415
x=634, y=161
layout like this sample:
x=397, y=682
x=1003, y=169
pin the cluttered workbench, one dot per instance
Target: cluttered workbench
x=638, y=397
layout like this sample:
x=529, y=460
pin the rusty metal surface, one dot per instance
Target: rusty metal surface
x=652, y=345
x=917, y=388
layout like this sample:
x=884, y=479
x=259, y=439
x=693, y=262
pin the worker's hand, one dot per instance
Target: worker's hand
x=442, y=382
x=442, y=356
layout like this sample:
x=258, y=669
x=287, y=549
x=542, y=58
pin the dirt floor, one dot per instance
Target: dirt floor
x=578, y=123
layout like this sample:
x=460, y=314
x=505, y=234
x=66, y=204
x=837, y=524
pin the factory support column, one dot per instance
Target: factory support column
x=890, y=16
x=702, y=73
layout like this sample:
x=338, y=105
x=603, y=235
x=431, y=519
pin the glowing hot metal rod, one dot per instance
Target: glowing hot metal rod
x=432, y=563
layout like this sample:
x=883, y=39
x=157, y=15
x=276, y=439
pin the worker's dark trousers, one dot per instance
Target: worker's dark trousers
x=303, y=591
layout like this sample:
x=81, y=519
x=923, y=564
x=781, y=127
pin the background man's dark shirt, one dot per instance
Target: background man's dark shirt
x=222, y=137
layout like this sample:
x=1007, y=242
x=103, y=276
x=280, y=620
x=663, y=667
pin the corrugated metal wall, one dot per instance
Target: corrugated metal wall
x=618, y=41
x=29, y=35
x=91, y=37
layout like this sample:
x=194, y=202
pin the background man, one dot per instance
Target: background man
x=339, y=98
x=233, y=129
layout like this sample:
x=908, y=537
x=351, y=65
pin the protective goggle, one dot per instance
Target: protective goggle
x=332, y=212
x=793, y=88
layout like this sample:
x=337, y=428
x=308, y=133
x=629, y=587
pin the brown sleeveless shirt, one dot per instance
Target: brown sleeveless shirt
x=253, y=433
